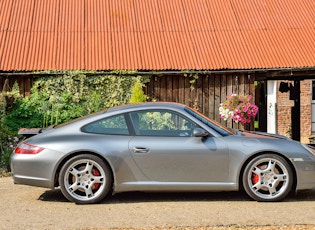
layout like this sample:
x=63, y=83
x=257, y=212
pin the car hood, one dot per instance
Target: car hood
x=255, y=134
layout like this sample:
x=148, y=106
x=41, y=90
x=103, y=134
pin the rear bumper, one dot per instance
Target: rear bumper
x=32, y=181
x=35, y=170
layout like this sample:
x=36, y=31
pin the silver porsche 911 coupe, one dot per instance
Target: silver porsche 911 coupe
x=160, y=147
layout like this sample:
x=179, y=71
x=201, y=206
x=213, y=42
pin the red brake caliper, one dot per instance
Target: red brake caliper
x=96, y=173
x=255, y=177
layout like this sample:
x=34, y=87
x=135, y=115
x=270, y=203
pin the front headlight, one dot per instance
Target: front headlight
x=309, y=148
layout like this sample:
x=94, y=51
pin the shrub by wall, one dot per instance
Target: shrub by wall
x=60, y=98
x=57, y=99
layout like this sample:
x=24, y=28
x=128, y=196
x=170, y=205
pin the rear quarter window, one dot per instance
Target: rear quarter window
x=115, y=125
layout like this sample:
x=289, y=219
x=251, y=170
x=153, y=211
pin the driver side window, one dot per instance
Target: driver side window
x=161, y=123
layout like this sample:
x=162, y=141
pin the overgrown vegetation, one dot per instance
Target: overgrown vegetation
x=8, y=137
x=58, y=99
x=137, y=92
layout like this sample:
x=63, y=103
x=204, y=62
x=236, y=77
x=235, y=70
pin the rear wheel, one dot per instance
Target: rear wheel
x=268, y=178
x=85, y=179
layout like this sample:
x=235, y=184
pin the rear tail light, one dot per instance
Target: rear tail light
x=25, y=148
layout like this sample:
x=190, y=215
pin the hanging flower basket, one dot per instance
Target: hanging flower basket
x=238, y=108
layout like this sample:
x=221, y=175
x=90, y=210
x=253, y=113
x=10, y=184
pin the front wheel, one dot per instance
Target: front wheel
x=85, y=179
x=268, y=177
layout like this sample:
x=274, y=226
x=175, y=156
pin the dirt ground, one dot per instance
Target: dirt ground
x=25, y=207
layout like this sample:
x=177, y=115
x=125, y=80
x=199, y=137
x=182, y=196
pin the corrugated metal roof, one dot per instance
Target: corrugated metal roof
x=156, y=34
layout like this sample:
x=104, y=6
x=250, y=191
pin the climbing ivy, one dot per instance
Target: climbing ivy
x=60, y=98
x=8, y=138
x=193, y=77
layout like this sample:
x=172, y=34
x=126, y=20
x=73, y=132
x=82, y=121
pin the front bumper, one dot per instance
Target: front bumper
x=305, y=174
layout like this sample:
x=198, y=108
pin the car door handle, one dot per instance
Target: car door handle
x=140, y=150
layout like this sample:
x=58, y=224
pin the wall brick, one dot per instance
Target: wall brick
x=284, y=105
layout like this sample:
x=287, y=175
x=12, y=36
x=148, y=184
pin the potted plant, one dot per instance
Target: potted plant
x=238, y=108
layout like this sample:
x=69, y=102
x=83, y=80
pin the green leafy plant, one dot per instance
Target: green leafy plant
x=57, y=99
x=7, y=144
x=193, y=77
x=8, y=138
x=137, y=92
x=157, y=121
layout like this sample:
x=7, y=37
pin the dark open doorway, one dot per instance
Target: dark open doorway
x=296, y=111
x=261, y=102
x=295, y=95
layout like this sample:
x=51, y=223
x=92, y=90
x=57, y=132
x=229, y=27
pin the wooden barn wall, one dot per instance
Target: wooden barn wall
x=25, y=83
x=205, y=94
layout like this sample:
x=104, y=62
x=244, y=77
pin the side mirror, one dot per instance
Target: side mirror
x=199, y=132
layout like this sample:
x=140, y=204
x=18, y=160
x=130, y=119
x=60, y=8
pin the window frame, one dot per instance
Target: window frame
x=127, y=120
x=182, y=116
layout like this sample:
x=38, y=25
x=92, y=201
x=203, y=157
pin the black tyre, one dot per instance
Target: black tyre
x=85, y=179
x=268, y=177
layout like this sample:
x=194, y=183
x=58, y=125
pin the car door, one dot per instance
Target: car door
x=165, y=149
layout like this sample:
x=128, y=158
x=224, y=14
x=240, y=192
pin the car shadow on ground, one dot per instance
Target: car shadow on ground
x=55, y=195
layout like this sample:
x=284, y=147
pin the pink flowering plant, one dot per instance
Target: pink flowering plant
x=7, y=145
x=238, y=108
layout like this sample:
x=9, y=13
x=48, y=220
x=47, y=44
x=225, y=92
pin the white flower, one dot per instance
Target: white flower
x=225, y=113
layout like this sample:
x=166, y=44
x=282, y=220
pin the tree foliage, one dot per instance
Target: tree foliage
x=54, y=100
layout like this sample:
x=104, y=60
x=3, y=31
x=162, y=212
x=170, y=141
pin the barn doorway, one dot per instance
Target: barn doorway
x=261, y=102
x=266, y=99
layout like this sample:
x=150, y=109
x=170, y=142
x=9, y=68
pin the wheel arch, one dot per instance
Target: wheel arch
x=240, y=176
x=58, y=169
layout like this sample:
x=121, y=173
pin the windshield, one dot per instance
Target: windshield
x=224, y=131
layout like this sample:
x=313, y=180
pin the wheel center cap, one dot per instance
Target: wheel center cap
x=268, y=176
x=85, y=178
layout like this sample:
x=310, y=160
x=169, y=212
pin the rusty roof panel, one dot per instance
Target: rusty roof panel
x=222, y=15
x=207, y=50
x=198, y=17
x=249, y=16
x=156, y=34
x=5, y=13
x=148, y=16
x=3, y=44
x=97, y=16
x=125, y=50
x=21, y=15
x=70, y=51
x=172, y=14
x=156, y=55
x=122, y=16
x=71, y=16
x=16, y=44
x=98, y=50
x=41, y=42
x=45, y=16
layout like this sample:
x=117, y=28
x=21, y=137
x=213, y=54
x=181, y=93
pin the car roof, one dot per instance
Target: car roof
x=125, y=108
x=148, y=105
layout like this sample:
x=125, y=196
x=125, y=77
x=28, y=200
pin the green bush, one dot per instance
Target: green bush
x=137, y=92
x=8, y=138
x=8, y=142
x=57, y=99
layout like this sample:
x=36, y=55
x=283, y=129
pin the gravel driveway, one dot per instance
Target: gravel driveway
x=24, y=207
